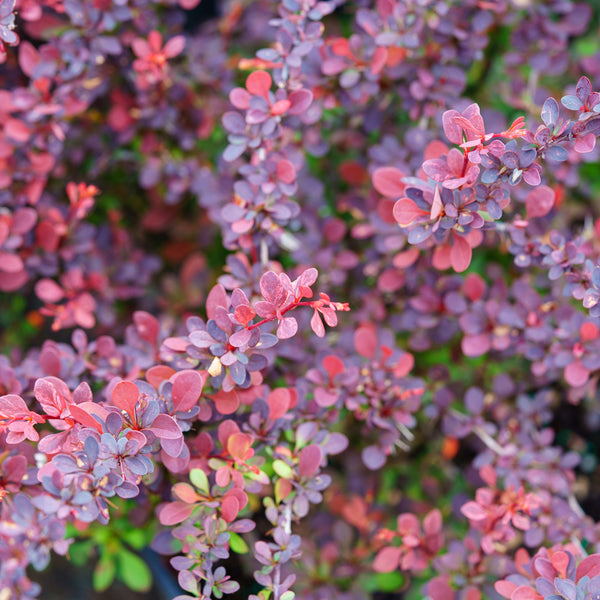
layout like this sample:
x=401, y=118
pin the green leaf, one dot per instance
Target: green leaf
x=79, y=552
x=133, y=571
x=237, y=543
x=135, y=538
x=283, y=469
x=289, y=595
x=200, y=480
x=104, y=573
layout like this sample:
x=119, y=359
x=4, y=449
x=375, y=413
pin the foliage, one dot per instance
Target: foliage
x=314, y=283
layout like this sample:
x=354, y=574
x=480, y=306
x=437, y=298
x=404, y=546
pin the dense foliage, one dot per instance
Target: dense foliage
x=311, y=282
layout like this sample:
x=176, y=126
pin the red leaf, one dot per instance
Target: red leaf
x=125, y=396
x=460, y=254
x=333, y=365
x=387, y=559
x=310, y=460
x=187, y=387
x=259, y=84
x=83, y=417
x=388, y=182
x=157, y=374
x=539, y=201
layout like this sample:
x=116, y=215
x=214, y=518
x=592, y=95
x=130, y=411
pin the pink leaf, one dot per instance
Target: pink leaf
x=406, y=211
x=460, y=254
x=387, y=559
x=476, y=345
x=174, y=46
x=238, y=445
x=432, y=523
x=147, y=326
x=586, y=143
x=226, y=402
x=287, y=328
x=576, y=374
x=286, y=171
x=539, y=201
x=324, y=398
x=451, y=129
x=388, y=182
x=589, y=566
x=240, y=98
x=365, y=341
x=165, y=427
x=259, y=84
x=505, y=588
x=216, y=297
x=84, y=417
x=272, y=289
x=436, y=207
x=174, y=513
x=187, y=387
x=473, y=511
x=300, y=101
x=279, y=401
x=157, y=374
x=333, y=365
x=317, y=325
x=310, y=460
x=230, y=508
x=49, y=291
x=524, y=592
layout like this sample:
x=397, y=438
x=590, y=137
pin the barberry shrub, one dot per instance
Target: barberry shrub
x=312, y=282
